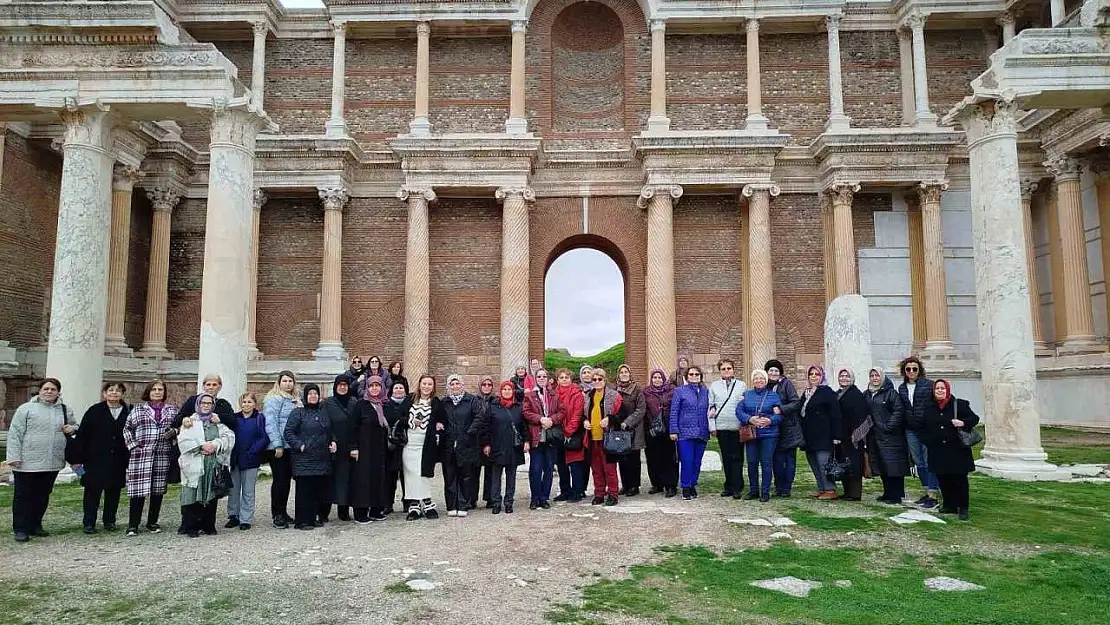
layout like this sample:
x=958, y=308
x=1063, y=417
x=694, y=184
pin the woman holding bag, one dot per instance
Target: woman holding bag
x=941, y=427
x=205, y=446
x=760, y=410
x=662, y=456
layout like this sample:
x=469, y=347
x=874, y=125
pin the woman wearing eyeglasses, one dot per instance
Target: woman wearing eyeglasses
x=690, y=427
x=916, y=392
x=482, y=472
x=602, y=410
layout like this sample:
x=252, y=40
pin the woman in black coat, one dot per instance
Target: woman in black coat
x=949, y=459
x=886, y=443
x=820, y=416
x=101, y=453
x=503, y=436
x=311, y=443
x=368, y=438
x=396, y=410
x=337, y=408
x=853, y=439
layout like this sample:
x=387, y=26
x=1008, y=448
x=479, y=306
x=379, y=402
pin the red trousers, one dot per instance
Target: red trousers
x=604, y=471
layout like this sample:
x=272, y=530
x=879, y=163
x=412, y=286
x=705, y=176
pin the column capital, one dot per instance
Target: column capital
x=519, y=26
x=658, y=25
x=164, y=197
x=832, y=22
x=1063, y=168
x=649, y=190
x=929, y=191
x=260, y=28
x=338, y=28
x=424, y=28
x=89, y=126
x=404, y=193
x=986, y=120
x=124, y=177
x=258, y=199
x=335, y=198
x=751, y=25
x=842, y=192
x=1005, y=19
x=751, y=189
x=1028, y=188
x=528, y=194
x=915, y=21
x=237, y=126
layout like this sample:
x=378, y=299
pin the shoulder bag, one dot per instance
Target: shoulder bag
x=221, y=483
x=969, y=438
x=747, y=432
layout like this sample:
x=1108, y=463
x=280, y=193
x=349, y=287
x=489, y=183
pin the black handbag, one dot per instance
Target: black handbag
x=576, y=441
x=969, y=438
x=838, y=467
x=617, y=442
x=660, y=422
x=398, y=436
x=221, y=483
x=552, y=436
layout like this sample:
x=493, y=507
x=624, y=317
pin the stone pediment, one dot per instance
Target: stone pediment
x=708, y=159
x=470, y=161
x=887, y=157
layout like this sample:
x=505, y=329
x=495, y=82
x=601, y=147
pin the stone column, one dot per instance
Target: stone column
x=225, y=287
x=1013, y=446
x=937, y=341
x=336, y=127
x=662, y=335
x=658, y=120
x=761, y=305
x=1058, y=12
x=841, y=194
x=917, y=269
x=514, y=276
x=163, y=200
x=1079, y=333
x=1008, y=23
x=123, y=183
x=259, y=200
x=420, y=126
x=517, y=124
x=258, y=66
x=77, y=305
x=755, y=120
x=1101, y=168
x=417, y=280
x=905, y=55
x=838, y=120
x=916, y=23
x=829, y=241
x=1028, y=187
x=331, y=289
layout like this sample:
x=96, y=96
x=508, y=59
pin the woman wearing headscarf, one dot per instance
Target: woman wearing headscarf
x=544, y=417
x=99, y=449
x=148, y=434
x=520, y=381
x=820, y=417
x=784, y=464
x=311, y=444
x=367, y=448
x=949, y=458
x=36, y=454
x=678, y=377
x=690, y=427
x=251, y=442
x=211, y=384
x=338, y=409
x=504, y=439
x=886, y=443
x=632, y=400
x=480, y=473
x=571, y=463
x=760, y=408
x=586, y=378
x=602, y=411
x=396, y=411
x=854, y=426
x=278, y=405
x=205, y=445
x=662, y=456
x=458, y=446
x=418, y=460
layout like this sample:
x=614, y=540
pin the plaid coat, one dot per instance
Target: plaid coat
x=149, y=465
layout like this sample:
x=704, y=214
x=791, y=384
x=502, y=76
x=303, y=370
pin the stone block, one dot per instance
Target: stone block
x=848, y=337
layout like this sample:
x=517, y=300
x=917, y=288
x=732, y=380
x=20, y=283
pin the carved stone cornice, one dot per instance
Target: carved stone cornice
x=1063, y=168
x=883, y=156
x=649, y=191
x=929, y=191
x=163, y=198
x=721, y=159
x=334, y=198
x=525, y=193
x=470, y=161
x=406, y=192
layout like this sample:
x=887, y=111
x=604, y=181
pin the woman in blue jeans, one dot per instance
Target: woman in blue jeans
x=760, y=408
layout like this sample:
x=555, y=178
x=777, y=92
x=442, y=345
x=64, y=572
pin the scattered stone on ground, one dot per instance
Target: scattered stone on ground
x=628, y=509
x=950, y=584
x=789, y=585
x=782, y=522
x=781, y=535
x=843, y=583
x=915, y=516
x=711, y=461
x=420, y=584
x=1087, y=470
x=759, y=522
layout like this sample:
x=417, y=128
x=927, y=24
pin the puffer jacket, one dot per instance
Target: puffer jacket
x=690, y=412
x=886, y=442
x=35, y=438
x=456, y=439
x=309, y=426
x=762, y=403
x=277, y=410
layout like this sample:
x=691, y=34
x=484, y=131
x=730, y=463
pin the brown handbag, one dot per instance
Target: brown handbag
x=747, y=432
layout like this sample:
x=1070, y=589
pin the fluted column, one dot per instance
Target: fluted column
x=755, y=120
x=761, y=304
x=514, y=276
x=838, y=120
x=1079, y=334
x=417, y=279
x=78, y=299
x=163, y=199
x=1101, y=168
x=123, y=183
x=937, y=340
x=662, y=335
x=420, y=125
x=905, y=56
x=1028, y=187
x=1058, y=12
x=917, y=269
x=258, y=65
x=517, y=124
x=916, y=23
x=829, y=241
x=1008, y=23
x=336, y=127
x=257, y=201
x=841, y=194
x=658, y=120
x=331, y=288
x=1013, y=445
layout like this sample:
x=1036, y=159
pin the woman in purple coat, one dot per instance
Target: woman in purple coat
x=689, y=425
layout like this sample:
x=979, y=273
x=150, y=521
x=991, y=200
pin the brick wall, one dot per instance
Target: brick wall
x=290, y=270
x=380, y=88
x=469, y=90
x=953, y=59
x=797, y=254
x=706, y=82
x=374, y=231
x=795, y=81
x=186, y=273
x=28, y=222
x=298, y=84
x=872, y=78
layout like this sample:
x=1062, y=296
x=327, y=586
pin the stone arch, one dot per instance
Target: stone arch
x=529, y=6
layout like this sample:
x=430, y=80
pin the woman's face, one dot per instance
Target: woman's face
x=375, y=389
x=113, y=395
x=375, y=364
x=844, y=379
x=48, y=392
x=564, y=379
x=395, y=369
x=157, y=392
x=759, y=382
x=657, y=379
x=541, y=378
x=455, y=386
x=286, y=383
x=774, y=374
x=875, y=377
x=814, y=377
x=693, y=376
x=399, y=391
x=940, y=391
x=683, y=363
x=521, y=372
x=487, y=387
x=206, y=404
x=341, y=388
x=356, y=363
x=212, y=386
x=912, y=371
x=535, y=364
x=506, y=392
x=246, y=405
x=313, y=397
x=598, y=381
x=624, y=375
x=427, y=387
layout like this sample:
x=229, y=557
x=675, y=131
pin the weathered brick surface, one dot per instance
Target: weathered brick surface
x=186, y=274
x=380, y=88
x=872, y=78
x=953, y=59
x=469, y=89
x=794, y=70
x=290, y=269
x=298, y=84
x=374, y=231
x=797, y=254
x=706, y=82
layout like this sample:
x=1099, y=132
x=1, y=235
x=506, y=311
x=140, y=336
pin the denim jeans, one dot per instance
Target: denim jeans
x=240, y=501
x=541, y=468
x=784, y=465
x=920, y=455
x=760, y=452
x=817, y=462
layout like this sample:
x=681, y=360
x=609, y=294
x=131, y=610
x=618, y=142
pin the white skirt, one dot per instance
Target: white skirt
x=412, y=455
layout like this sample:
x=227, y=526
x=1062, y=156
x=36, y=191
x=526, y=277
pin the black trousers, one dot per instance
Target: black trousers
x=894, y=488
x=662, y=461
x=457, y=482
x=479, y=481
x=629, y=466
x=853, y=487
x=31, y=498
x=732, y=460
x=91, y=505
x=279, y=488
x=563, y=470
x=311, y=490
x=200, y=517
x=955, y=491
x=135, y=511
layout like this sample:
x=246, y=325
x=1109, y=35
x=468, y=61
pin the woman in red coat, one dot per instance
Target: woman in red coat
x=571, y=457
x=544, y=415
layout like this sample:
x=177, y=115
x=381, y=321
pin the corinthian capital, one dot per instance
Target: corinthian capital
x=649, y=191
x=915, y=20
x=929, y=191
x=842, y=192
x=525, y=193
x=260, y=28
x=404, y=193
x=335, y=198
x=423, y=29
x=1006, y=18
x=1063, y=167
x=1028, y=188
x=124, y=177
x=751, y=189
x=258, y=200
x=163, y=198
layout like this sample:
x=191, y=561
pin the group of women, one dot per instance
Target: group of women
x=351, y=450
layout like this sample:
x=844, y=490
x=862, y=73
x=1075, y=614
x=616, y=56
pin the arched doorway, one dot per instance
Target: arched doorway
x=585, y=319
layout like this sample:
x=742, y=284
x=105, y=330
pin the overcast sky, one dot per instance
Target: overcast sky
x=583, y=302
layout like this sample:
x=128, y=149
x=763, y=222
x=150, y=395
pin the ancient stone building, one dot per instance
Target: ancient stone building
x=231, y=186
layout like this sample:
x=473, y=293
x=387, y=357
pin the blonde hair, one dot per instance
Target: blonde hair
x=252, y=397
x=276, y=391
x=601, y=372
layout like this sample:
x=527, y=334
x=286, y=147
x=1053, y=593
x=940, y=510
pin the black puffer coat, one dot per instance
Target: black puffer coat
x=820, y=419
x=886, y=443
x=790, y=429
x=99, y=446
x=947, y=454
x=923, y=400
x=853, y=412
x=501, y=428
x=309, y=427
x=456, y=441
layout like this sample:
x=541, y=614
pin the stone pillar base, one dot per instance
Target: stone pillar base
x=516, y=126
x=117, y=348
x=939, y=350
x=252, y=352
x=1043, y=349
x=756, y=122
x=838, y=123
x=335, y=129
x=154, y=352
x=330, y=351
x=1081, y=345
x=657, y=123
x=1021, y=467
x=420, y=127
x=928, y=120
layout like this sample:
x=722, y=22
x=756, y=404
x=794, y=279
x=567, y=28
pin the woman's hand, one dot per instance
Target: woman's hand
x=527, y=447
x=279, y=452
x=332, y=447
x=208, y=449
x=485, y=450
x=439, y=427
x=354, y=454
x=546, y=422
x=776, y=410
x=15, y=464
x=958, y=423
x=674, y=437
x=712, y=412
x=605, y=423
x=215, y=418
x=68, y=429
x=302, y=449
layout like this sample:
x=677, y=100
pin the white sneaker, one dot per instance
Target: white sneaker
x=461, y=513
x=452, y=513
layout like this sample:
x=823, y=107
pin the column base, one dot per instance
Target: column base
x=838, y=123
x=1020, y=466
x=756, y=122
x=657, y=123
x=113, y=347
x=420, y=127
x=939, y=350
x=1081, y=345
x=516, y=126
x=1042, y=349
x=156, y=352
x=330, y=351
x=335, y=129
x=928, y=120
x=252, y=352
